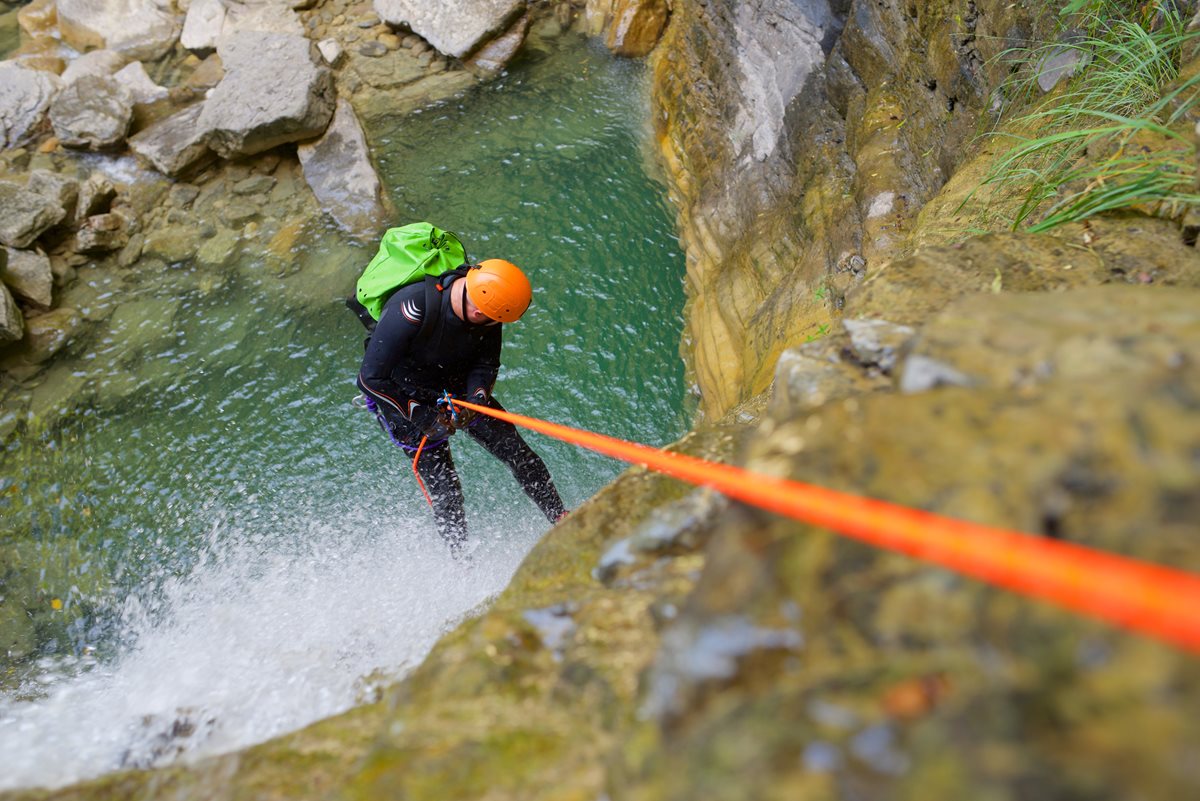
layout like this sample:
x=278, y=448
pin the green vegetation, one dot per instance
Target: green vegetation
x=1118, y=135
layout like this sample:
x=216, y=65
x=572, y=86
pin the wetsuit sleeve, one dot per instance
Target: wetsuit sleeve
x=482, y=375
x=381, y=375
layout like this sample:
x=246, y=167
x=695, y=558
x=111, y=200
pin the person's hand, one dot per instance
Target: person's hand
x=431, y=422
x=465, y=418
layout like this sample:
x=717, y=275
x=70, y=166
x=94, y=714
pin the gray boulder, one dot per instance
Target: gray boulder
x=24, y=215
x=97, y=62
x=136, y=28
x=102, y=233
x=455, y=27
x=61, y=189
x=174, y=145
x=265, y=17
x=491, y=59
x=202, y=27
x=12, y=323
x=877, y=343
x=208, y=21
x=273, y=92
x=96, y=194
x=94, y=112
x=28, y=275
x=141, y=87
x=49, y=333
x=338, y=169
x=25, y=98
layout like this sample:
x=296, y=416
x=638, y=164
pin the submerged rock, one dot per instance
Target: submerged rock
x=47, y=334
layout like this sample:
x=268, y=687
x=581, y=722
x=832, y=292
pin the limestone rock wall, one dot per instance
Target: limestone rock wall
x=801, y=139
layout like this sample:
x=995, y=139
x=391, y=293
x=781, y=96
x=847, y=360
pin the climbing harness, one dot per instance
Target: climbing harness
x=446, y=404
x=1139, y=596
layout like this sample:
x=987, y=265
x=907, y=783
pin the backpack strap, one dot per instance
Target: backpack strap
x=435, y=285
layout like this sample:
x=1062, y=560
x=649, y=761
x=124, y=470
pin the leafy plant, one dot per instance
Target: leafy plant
x=1112, y=139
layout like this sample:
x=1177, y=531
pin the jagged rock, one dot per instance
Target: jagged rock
x=493, y=56
x=877, y=342
x=12, y=323
x=96, y=194
x=273, y=92
x=921, y=374
x=27, y=273
x=207, y=74
x=636, y=26
x=47, y=334
x=265, y=18
x=256, y=184
x=39, y=18
x=455, y=27
x=203, y=24
x=61, y=189
x=25, y=98
x=338, y=169
x=175, y=145
x=93, y=112
x=101, y=233
x=174, y=244
x=1063, y=61
x=136, y=28
x=98, y=62
x=597, y=16
x=218, y=250
x=208, y=21
x=331, y=51
x=24, y=215
x=139, y=84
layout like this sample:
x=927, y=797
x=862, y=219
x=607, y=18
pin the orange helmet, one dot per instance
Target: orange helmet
x=499, y=289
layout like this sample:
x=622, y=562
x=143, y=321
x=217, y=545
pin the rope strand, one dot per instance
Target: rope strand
x=1143, y=597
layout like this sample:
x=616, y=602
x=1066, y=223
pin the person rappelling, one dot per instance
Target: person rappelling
x=435, y=328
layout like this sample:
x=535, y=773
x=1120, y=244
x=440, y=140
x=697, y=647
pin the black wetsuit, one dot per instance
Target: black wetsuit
x=409, y=363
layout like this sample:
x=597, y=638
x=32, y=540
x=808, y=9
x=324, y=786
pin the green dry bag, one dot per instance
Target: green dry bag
x=407, y=254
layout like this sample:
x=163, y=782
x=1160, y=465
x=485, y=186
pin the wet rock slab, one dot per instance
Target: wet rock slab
x=455, y=27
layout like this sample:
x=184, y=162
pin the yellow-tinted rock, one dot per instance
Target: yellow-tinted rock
x=636, y=26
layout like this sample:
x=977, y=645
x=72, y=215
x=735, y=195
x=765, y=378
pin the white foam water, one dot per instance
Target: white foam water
x=258, y=639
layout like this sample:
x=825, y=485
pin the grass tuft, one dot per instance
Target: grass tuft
x=1116, y=137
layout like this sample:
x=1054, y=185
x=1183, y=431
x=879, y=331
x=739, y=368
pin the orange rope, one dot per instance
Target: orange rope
x=1159, y=601
x=420, y=483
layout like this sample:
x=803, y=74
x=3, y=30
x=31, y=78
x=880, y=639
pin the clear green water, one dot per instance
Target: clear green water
x=179, y=518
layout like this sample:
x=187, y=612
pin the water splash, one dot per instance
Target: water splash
x=261, y=637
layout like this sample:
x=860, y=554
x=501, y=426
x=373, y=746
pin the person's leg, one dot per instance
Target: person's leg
x=504, y=442
x=436, y=467
x=437, y=471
